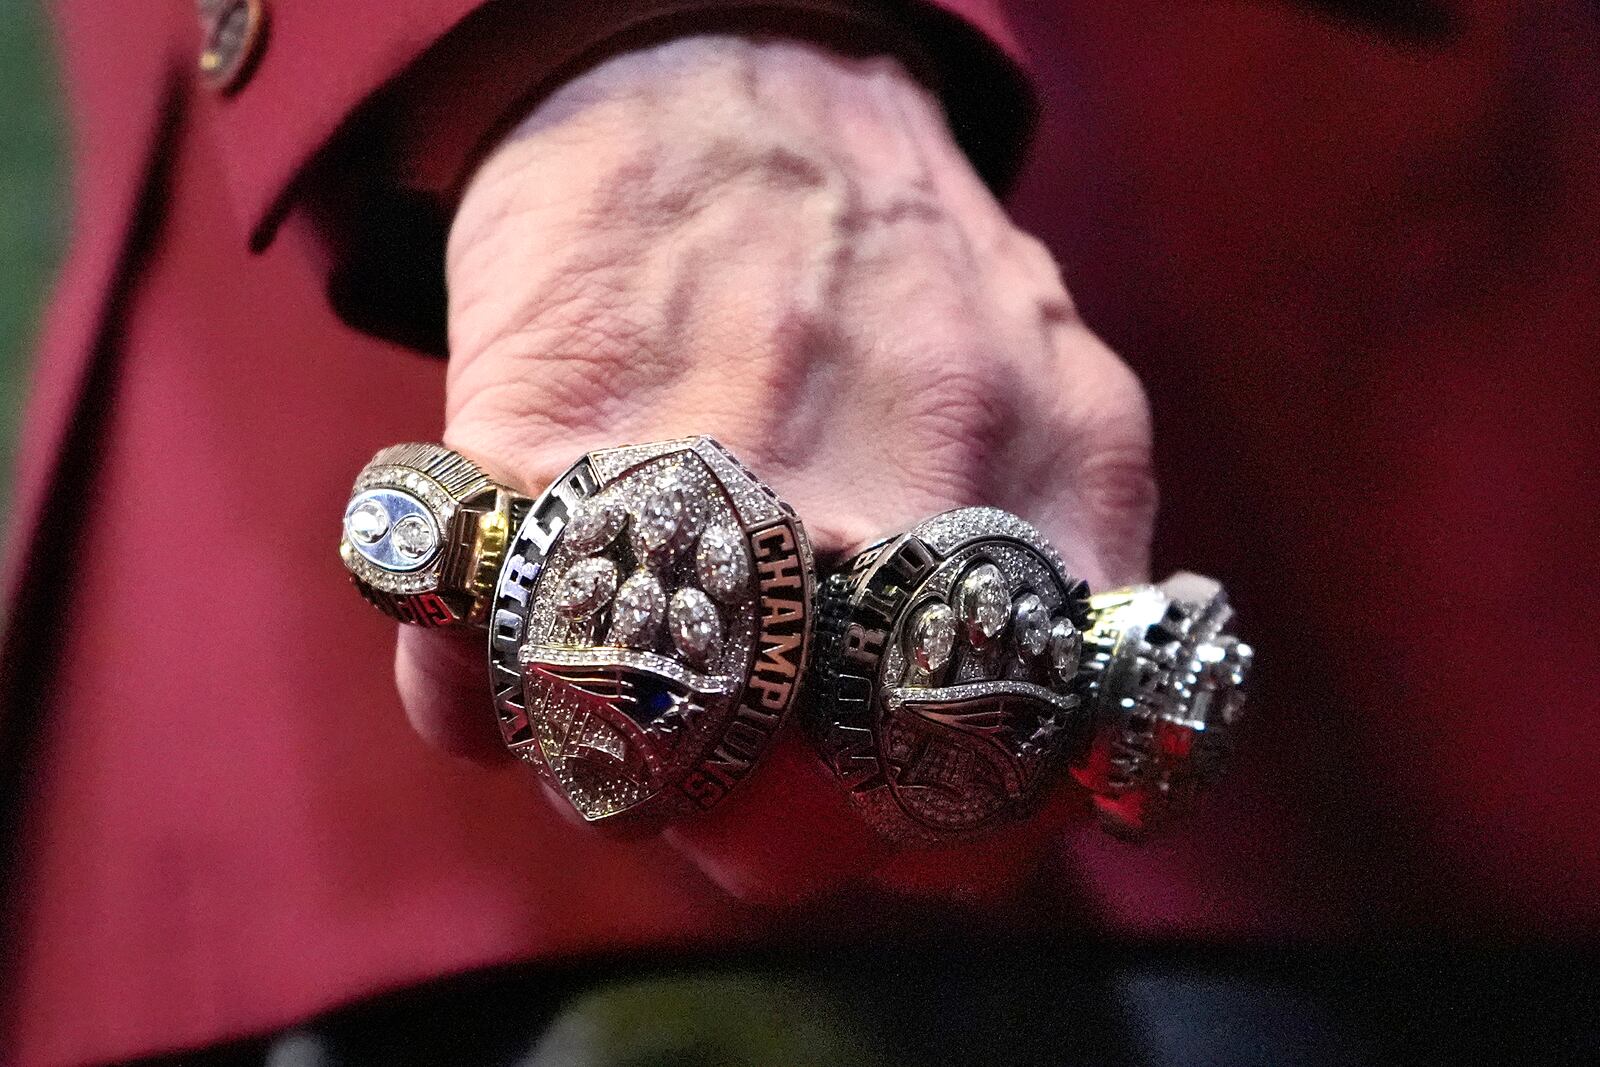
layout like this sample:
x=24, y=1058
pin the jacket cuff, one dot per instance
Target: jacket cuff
x=372, y=164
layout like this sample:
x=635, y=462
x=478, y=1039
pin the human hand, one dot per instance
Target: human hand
x=784, y=249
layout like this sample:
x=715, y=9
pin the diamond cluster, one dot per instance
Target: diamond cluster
x=723, y=564
x=984, y=609
x=588, y=586
x=998, y=618
x=668, y=519
x=638, y=610
x=696, y=626
x=654, y=563
x=415, y=537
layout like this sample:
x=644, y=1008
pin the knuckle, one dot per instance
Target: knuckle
x=961, y=407
x=1099, y=392
x=1090, y=474
x=1116, y=472
x=537, y=395
x=1038, y=265
x=568, y=376
x=1120, y=491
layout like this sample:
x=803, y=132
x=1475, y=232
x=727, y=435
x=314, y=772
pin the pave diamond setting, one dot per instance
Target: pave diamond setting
x=941, y=707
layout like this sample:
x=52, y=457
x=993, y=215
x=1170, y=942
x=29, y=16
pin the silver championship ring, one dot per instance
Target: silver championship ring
x=1166, y=685
x=650, y=628
x=424, y=534
x=947, y=674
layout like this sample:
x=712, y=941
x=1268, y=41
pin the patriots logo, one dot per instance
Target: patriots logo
x=597, y=718
x=961, y=740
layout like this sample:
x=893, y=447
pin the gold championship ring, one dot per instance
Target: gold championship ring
x=424, y=534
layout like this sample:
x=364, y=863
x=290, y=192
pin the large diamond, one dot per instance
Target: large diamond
x=933, y=637
x=1066, y=644
x=414, y=537
x=722, y=564
x=593, y=524
x=1030, y=623
x=984, y=603
x=368, y=523
x=666, y=522
x=637, y=612
x=587, y=586
x=696, y=627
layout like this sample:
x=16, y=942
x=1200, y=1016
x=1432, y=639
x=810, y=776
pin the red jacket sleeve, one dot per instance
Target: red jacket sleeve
x=364, y=119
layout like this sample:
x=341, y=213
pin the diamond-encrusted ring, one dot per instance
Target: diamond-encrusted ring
x=1166, y=687
x=650, y=628
x=424, y=534
x=946, y=686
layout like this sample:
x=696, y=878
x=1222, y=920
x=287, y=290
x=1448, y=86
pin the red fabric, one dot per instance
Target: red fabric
x=1358, y=278
x=105, y=198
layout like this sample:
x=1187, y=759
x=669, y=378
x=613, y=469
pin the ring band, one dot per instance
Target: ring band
x=650, y=628
x=424, y=534
x=947, y=686
x=1166, y=688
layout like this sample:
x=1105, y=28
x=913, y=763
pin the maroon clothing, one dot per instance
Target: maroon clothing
x=1355, y=269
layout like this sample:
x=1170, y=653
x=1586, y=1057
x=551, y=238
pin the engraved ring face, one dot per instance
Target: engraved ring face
x=948, y=674
x=650, y=628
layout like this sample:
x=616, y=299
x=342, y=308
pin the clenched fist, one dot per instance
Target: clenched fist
x=782, y=248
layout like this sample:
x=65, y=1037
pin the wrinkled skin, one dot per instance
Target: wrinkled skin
x=782, y=248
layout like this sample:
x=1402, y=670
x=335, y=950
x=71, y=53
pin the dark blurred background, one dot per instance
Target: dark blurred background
x=33, y=202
